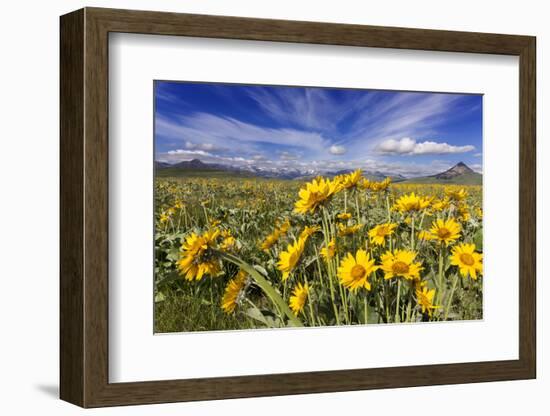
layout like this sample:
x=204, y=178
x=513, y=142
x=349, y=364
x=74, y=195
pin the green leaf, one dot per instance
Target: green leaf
x=169, y=278
x=173, y=254
x=478, y=240
x=261, y=269
x=257, y=315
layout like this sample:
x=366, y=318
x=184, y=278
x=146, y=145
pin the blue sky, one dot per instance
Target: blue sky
x=317, y=129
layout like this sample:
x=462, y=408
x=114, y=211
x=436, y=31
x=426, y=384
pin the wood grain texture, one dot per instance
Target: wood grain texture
x=527, y=208
x=84, y=207
x=71, y=218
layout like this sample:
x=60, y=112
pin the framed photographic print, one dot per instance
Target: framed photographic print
x=285, y=206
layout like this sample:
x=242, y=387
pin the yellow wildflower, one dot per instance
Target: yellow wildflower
x=354, y=272
x=456, y=194
x=196, y=258
x=315, y=194
x=289, y=259
x=445, y=231
x=400, y=263
x=309, y=231
x=352, y=229
x=411, y=203
x=344, y=216
x=329, y=252
x=379, y=233
x=298, y=298
x=425, y=298
x=467, y=259
x=351, y=180
x=233, y=292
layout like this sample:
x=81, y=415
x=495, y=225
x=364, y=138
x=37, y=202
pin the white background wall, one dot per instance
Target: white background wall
x=29, y=206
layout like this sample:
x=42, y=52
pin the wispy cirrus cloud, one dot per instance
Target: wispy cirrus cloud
x=401, y=115
x=218, y=130
x=309, y=108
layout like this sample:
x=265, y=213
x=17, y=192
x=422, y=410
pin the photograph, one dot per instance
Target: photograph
x=280, y=206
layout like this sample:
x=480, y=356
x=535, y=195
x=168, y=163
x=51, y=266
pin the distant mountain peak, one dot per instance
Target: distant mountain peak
x=191, y=164
x=459, y=169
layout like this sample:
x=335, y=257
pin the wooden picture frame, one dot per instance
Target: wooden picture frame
x=84, y=207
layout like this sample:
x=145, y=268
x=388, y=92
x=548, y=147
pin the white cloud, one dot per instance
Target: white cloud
x=408, y=146
x=477, y=167
x=478, y=155
x=200, y=146
x=189, y=152
x=337, y=150
x=288, y=156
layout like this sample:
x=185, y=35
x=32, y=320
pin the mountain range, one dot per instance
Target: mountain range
x=458, y=174
x=196, y=166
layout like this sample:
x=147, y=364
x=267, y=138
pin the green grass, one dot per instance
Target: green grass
x=182, y=313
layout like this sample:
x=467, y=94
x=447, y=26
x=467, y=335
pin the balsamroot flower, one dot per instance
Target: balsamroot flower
x=445, y=231
x=329, y=251
x=233, y=292
x=354, y=272
x=316, y=193
x=411, y=203
x=378, y=234
x=288, y=260
x=467, y=259
x=425, y=297
x=298, y=298
x=400, y=263
x=351, y=180
x=309, y=231
x=197, y=258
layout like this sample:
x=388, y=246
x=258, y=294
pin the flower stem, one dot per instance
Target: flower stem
x=388, y=206
x=448, y=307
x=329, y=267
x=440, y=276
x=310, y=304
x=264, y=285
x=357, y=207
x=397, y=318
x=412, y=233
x=409, y=304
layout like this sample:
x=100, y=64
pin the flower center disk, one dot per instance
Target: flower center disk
x=400, y=267
x=443, y=233
x=382, y=231
x=358, y=271
x=467, y=259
